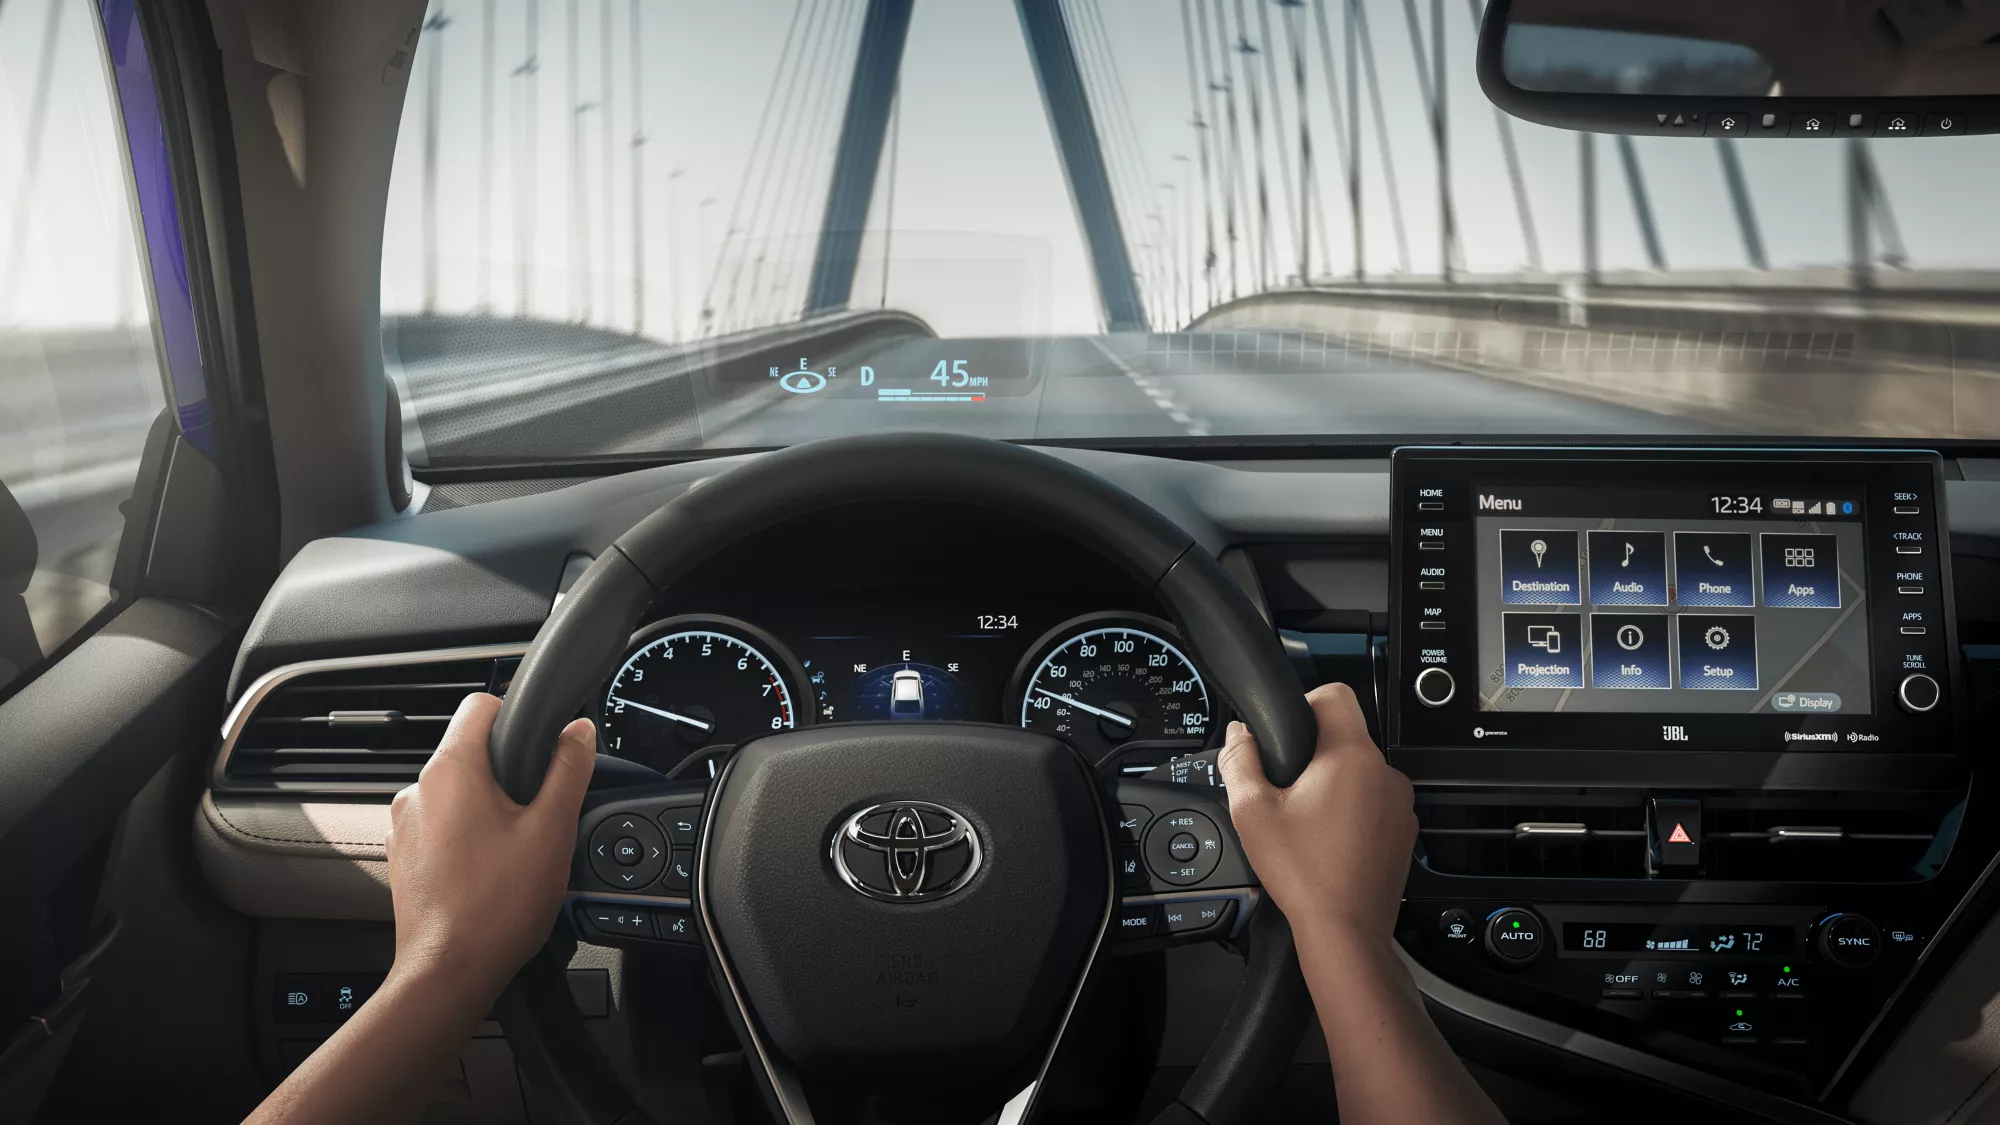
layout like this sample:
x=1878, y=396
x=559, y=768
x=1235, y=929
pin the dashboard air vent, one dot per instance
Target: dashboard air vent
x=1601, y=834
x=354, y=724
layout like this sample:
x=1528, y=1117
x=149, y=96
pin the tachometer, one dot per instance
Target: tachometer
x=1103, y=682
x=691, y=688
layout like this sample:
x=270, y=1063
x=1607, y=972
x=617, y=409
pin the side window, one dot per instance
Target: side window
x=80, y=381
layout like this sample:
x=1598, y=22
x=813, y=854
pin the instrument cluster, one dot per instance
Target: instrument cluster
x=1118, y=685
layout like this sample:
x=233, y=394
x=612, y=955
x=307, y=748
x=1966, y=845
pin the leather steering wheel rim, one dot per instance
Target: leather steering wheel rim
x=582, y=640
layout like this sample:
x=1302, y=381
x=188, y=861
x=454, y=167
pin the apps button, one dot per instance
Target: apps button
x=1712, y=568
x=1718, y=651
x=1629, y=650
x=1539, y=567
x=1628, y=567
x=1801, y=571
x=1542, y=650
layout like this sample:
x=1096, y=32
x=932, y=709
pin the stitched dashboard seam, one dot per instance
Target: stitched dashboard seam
x=242, y=831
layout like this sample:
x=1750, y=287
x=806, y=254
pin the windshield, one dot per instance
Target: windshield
x=623, y=228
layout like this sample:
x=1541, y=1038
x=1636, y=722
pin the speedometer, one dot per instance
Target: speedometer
x=1103, y=682
x=692, y=688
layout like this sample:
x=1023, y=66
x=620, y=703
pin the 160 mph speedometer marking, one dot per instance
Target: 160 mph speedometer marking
x=1106, y=687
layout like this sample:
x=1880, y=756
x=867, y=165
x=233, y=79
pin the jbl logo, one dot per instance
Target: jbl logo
x=1673, y=734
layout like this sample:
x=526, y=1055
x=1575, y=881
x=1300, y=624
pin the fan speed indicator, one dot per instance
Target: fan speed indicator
x=1103, y=687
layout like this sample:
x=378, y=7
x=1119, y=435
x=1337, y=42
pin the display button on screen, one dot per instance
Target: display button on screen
x=1539, y=567
x=1801, y=571
x=1543, y=650
x=1629, y=650
x=1712, y=568
x=1718, y=651
x=1628, y=568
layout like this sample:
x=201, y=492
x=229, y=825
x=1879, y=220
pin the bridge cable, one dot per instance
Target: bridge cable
x=1642, y=204
x=1343, y=137
x=1118, y=129
x=1306, y=168
x=829, y=107
x=1121, y=104
x=579, y=215
x=1512, y=155
x=1239, y=192
x=1360, y=10
x=1741, y=203
x=527, y=165
x=1226, y=161
x=751, y=241
x=1268, y=45
x=1201, y=130
x=1448, y=248
x=749, y=166
x=38, y=116
x=1244, y=49
x=486, y=64
x=785, y=159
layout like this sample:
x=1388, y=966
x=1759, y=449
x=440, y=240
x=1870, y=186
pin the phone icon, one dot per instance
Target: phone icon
x=1711, y=556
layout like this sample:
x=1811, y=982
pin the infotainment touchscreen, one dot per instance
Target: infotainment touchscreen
x=1674, y=599
x=1669, y=598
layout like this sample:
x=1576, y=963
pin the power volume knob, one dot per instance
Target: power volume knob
x=1434, y=687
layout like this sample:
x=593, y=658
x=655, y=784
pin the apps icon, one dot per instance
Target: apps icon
x=1801, y=571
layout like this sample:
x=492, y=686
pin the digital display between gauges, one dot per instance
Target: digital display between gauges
x=692, y=688
x=1100, y=683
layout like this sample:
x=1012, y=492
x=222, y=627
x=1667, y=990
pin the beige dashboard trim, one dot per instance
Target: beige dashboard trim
x=276, y=857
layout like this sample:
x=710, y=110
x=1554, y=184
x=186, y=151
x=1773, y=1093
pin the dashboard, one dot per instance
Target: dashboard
x=1737, y=870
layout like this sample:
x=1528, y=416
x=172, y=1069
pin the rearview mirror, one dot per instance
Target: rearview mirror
x=1746, y=68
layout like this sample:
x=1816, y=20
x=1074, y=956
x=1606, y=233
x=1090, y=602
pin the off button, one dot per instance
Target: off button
x=1514, y=936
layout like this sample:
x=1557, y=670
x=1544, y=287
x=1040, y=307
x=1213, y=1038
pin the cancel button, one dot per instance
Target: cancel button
x=1818, y=702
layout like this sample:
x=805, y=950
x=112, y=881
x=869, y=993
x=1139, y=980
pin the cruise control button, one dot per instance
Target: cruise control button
x=1189, y=917
x=1131, y=821
x=1184, y=847
x=1168, y=866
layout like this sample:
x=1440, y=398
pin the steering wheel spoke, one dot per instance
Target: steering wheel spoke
x=632, y=878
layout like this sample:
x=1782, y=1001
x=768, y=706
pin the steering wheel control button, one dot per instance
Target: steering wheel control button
x=617, y=920
x=675, y=924
x=1131, y=870
x=1514, y=936
x=614, y=865
x=1165, y=862
x=682, y=825
x=1850, y=941
x=1456, y=927
x=1199, y=916
x=679, y=877
x=1184, y=847
x=1918, y=693
x=1134, y=922
x=1434, y=687
x=1131, y=822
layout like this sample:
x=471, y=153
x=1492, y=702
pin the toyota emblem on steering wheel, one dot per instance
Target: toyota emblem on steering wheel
x=906, y=851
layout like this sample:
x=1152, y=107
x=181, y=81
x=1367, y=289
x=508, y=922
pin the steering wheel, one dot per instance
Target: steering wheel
x=899, y=918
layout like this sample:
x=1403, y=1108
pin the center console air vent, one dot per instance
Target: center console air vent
x=1601, y=834
x=355, y=725
x=1569, y=833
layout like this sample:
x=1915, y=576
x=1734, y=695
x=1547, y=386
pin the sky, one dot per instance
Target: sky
x=984, y=238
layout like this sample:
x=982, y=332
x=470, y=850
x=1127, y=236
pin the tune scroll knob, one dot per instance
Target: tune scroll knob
x=1918, y=693
x=1434, y=687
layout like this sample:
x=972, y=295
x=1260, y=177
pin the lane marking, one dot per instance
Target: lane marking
x=1181, y=416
